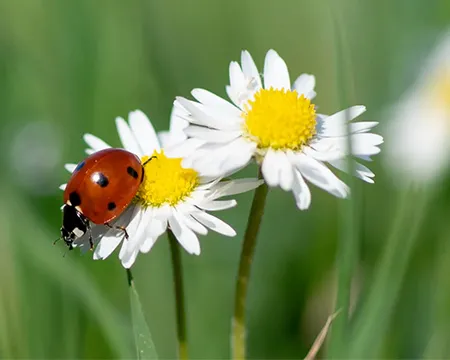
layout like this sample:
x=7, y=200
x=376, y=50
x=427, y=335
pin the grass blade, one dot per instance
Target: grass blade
x=142, y=336
x=348, y=244
x=370, y=327
x=79, y=284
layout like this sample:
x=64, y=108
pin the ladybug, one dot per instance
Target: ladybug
x=99, y=190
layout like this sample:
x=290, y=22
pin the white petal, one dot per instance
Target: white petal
x=269, y=168
x=178, y=122
x=128, y=261
x=219, y=117
x=360, y=170
x=166, y=139
x=211, y=100
x=301, y=191
x=97, y=231
x=193, y=224
x=217, y=205
x=147, y=245
x=333, y=154
x=362, y=126
x=156, y=227
x=318, y=174
x=242, y=87
x=240, y=154
x=211, y=135
x=336, y=123
x=129, y=245
x=183, y=149
x=237, y=78
x=185, y=236
x=70, y=167
x=305, y=84
x=277, y=170
x=209, y=183
x=199, y=116
x=201, y=196
x=219, y=160
x=162, y=213
x=363, y=144
x=188, y=206
x=144, y=132
x=214, y=223
x=276, y=73
x=285, y=170
x=366, y=144
x=95, y=143
x=106, y=246
x=111, y=237
x=135, y=241
x=234, y=97
x=178, y=116
x=249, y=68
x=233, y=187
x=129, y=142
x=340, y=129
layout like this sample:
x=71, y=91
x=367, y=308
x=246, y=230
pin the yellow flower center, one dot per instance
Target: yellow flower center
x=279, y=119
x=165, y=181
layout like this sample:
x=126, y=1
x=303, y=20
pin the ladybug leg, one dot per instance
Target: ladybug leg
x=119, y=227
x=91, y=243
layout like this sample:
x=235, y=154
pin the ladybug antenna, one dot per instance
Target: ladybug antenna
x=149, y=159
x=54, y=242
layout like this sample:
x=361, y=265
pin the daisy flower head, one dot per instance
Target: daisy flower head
x=276, y=124
x=418, y=149
x=169, y=197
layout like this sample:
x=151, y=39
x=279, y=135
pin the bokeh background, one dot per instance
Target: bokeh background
x=68, y=67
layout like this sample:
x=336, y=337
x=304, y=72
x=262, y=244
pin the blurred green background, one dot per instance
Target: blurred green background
x=68, y=67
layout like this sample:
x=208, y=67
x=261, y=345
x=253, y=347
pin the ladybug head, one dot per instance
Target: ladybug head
x=74, y=225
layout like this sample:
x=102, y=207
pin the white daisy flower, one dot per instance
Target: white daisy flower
x=170, y=195
x=418, y=148
x=277, y=125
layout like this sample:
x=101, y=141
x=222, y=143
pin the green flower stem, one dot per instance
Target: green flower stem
x=238, y=335
x=179, y=295
x=130, y=278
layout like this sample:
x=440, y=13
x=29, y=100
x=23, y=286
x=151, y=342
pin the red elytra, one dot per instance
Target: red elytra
x=105, y=183
x=100, y=189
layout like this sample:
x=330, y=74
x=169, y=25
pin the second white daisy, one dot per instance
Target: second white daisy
x=278, y=126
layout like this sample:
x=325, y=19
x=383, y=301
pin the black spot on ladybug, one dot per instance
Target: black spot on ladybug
x=100, y=179
x=132, y=172
x=111, y=206
x=79, y=166
x=74, y=198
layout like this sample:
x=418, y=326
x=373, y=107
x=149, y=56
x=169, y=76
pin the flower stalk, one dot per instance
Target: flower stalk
x=238, y=335
x=179, y=296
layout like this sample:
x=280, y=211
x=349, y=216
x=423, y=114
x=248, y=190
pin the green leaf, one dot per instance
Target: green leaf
x=142, y=336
